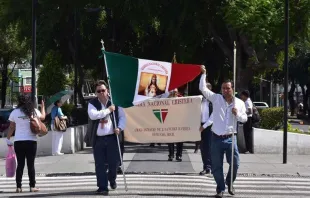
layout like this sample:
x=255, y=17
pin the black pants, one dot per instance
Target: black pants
x=106, y=153
x=25, y=150
x=248, y=135
x=179, y=149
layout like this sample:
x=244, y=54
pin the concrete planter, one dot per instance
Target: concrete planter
x=72, y=142
x=271, y=142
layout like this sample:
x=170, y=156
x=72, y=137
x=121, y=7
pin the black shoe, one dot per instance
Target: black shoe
x=113, y=185
x=170, y=158
x=205, y=172
x=231, y=189
x=219, y=195
x=152, y=145
x=196, y=151
x=179, y=158
x=102, y=192
x=119, y=170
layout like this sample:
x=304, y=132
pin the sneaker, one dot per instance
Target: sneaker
x=59, y=154
x=179, y=158
x=170, y=158
x=34, y=189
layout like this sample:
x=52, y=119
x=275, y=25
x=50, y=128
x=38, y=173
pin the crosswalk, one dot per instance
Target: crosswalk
x=160, y=186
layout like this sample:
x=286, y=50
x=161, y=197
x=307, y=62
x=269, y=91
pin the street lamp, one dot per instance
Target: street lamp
x=285, y=68
x=34, y=41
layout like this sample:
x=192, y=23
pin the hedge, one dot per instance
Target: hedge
x=272, y=118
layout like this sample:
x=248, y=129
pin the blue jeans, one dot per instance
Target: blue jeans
x=205, y=147
x=106, y=153
x=219, y=146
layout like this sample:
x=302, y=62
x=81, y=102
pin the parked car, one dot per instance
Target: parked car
x=261, y=105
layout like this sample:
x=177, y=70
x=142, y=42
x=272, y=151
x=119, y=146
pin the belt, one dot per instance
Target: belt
x=222, y=136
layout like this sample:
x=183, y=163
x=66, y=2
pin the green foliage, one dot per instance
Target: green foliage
x=52, y=78
x=67, y=109
x=290, y=128
x=271, y=118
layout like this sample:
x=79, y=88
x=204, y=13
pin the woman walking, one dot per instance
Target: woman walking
x=57, y=135
x=25, y=142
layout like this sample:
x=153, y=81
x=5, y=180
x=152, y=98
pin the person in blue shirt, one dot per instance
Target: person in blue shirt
x=57, y=135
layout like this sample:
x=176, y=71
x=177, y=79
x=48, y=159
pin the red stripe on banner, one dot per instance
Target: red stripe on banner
x=182, y=74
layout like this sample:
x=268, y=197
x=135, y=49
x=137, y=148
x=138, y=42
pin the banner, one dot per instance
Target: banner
x=164, y=120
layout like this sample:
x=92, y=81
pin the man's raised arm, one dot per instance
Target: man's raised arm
x=208, y=94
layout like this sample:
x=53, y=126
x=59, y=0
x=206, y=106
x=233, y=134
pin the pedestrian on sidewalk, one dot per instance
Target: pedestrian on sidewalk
x=179, y=146
x=206, y=133
x=248, y=126
x=25, y=142
x=102, y=134
x=57, y=140
x=226, y=107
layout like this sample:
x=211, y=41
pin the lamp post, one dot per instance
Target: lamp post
x=285, y=69
x=34, y=41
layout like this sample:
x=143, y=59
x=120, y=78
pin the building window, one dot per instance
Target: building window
x=28, y=81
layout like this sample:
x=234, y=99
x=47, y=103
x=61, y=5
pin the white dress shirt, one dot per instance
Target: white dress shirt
x=205, y=118
x=249, y=105
x=107, y=128
x=223, y=119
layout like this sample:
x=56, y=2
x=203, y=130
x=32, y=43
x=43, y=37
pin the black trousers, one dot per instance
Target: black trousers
x=179, y=149
x=248, y=135
x=25, y=150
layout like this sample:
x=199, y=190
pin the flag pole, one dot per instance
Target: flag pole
x=119, y=148
x=174, y=60
x=234, y=121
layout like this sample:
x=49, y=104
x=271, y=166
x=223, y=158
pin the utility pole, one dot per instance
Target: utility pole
x=34, y=43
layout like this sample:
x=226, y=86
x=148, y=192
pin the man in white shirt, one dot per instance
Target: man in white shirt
x=206, y=133
x=247, y=127
x=227, y=110
x=103, y=137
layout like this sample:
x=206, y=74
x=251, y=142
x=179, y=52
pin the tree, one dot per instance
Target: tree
x=52, y=78
x=12, y=50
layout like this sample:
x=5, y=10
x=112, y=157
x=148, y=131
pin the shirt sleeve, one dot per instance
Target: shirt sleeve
x=59, y=112
x=12, y=116
x=208, y=94
x=241, y=115
x=38, y=113
x=121, y=118
x=94, y=114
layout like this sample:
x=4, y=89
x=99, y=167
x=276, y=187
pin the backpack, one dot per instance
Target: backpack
x=255, y=115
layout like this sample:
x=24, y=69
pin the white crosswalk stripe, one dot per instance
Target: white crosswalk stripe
x=160, y=186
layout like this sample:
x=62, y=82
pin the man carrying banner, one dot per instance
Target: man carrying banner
x=103, y=137
x=206, y=133
x=227, y=110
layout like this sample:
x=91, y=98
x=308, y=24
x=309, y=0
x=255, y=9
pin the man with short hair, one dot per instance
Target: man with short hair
x=248, y=126
x=103, y=134
x=227, y=110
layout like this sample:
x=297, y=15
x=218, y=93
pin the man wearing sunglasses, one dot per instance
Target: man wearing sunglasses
x=102, y=134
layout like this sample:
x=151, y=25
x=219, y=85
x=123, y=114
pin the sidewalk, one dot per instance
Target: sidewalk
x=146, y=160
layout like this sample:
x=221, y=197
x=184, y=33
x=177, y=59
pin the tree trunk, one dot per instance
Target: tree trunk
x=307, y=107
x=4, y=82
x=291, y=98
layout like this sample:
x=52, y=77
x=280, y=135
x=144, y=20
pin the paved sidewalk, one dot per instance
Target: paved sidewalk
x=144, y=159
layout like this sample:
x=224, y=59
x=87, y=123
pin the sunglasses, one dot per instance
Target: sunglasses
x=101, y=91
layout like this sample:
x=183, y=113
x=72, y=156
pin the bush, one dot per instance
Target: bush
x=67, y=109
x=272, y=118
